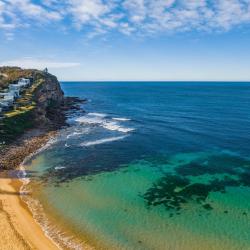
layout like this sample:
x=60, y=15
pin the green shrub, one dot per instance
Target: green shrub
x=13, y=126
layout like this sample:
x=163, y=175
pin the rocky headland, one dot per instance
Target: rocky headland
x=36, y=116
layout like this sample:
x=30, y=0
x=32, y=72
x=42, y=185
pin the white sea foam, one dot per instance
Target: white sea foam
x=76, y=133
x=59, y=168
x=97, y=114
x=101, y=141
x=22, y=175
x=51, y=231
x=99, y=119
x=121, y=119
x=116, y=127
x=90, y=120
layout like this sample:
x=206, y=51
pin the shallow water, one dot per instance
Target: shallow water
x=151, y=166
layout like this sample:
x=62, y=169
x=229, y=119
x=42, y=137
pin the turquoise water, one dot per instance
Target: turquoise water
x=150, y=166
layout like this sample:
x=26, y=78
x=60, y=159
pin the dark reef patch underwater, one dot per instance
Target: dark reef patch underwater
x=190, y=178
x=151, y=166
x=194, y=181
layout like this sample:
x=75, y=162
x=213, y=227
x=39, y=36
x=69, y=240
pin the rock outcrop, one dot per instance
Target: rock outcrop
x=49, y=99
x=40, y=106
x=37, y=116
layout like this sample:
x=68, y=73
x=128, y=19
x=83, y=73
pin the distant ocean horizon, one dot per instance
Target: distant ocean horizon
x=145, y=81
x=148, y=165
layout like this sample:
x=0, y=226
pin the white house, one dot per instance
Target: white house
x=7, y=98
x=23, y=82
x=5, y=104
x=15, y=89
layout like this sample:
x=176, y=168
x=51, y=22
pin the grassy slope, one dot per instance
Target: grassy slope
x=15, y=122
x=11, y=74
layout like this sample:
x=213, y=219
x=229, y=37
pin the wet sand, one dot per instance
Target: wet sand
x=18, y=228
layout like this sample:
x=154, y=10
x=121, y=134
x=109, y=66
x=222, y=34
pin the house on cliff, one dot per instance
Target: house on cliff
x=7, y=98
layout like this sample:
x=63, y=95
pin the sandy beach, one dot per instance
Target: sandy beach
x=18, y=228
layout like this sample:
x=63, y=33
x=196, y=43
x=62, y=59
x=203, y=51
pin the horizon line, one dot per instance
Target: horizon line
x=166, y=81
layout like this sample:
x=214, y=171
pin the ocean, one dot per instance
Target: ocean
x=147, y=165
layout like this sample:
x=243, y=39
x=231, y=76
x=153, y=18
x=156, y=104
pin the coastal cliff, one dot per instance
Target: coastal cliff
x=27, y=122
x=31, y=114
x=49, y=99
x=35, y=105
x=35, y=117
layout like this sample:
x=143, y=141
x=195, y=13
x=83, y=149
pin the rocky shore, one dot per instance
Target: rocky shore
x=13, y=154
x=37, y=117
x=43, y=121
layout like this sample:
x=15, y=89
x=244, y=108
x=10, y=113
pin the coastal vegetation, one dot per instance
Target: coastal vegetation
x=32, y=104
x=9, y=75
x=35, y=116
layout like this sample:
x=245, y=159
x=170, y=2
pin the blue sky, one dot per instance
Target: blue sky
x=128, y=39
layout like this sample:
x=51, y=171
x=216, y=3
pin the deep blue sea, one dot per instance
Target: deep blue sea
x=149, y=165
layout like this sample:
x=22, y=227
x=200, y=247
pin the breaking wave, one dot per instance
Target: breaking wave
x=101, y=141
x=121, y=119
x=61, y=239
x=105, y=122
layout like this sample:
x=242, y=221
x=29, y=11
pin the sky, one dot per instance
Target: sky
x=128, y=40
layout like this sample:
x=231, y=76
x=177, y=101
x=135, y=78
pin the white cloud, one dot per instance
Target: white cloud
x=127, y=16
x=34, y=11
x=30, y=62
x=21, y=13
x=136, y=10
x=94, y=12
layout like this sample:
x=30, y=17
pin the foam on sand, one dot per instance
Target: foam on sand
x=61, y=239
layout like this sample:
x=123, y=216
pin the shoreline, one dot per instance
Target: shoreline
x=21, y=231
x=19, y=225
x=24, y=230
x=39, y=113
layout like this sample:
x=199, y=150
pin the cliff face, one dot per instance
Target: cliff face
x=49, y=98
x=49, y=91
x=37, y=115
x=39, y=106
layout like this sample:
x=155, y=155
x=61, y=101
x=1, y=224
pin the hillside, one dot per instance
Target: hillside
x=11, y=74
x=34, y=106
